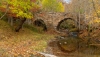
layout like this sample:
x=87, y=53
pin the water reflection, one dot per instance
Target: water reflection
x=73, y=34
x=72, y=46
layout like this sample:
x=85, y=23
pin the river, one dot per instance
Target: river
x=75, y=48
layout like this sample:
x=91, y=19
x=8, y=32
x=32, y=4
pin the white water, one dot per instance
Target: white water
x=47, y=55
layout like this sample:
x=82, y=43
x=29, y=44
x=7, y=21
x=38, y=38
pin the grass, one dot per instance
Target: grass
x=28, y=38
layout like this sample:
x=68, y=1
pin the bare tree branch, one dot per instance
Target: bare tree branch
x=7, y=8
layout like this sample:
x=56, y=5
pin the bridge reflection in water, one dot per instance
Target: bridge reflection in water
x=71, y=46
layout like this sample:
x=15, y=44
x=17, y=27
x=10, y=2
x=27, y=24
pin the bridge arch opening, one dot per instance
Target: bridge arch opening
x=40, y=23
x=67, y=24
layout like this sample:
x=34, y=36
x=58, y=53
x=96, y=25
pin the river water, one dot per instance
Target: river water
x=82, y=50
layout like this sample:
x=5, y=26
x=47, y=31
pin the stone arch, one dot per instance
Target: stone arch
x=58, y=25
x=40, y=23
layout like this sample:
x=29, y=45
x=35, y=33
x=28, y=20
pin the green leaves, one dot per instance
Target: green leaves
x=52, y=5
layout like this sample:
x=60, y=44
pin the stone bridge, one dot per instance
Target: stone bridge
x=53, y=20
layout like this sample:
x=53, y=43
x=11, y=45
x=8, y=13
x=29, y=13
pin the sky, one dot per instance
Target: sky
x=67, y=1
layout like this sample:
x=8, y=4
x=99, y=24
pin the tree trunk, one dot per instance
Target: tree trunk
x=12, y=21
x=20, y=25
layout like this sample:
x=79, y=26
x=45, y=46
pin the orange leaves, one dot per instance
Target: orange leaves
x=20, y=50
x=35, y=9
x=23, y=49
x=2, y=9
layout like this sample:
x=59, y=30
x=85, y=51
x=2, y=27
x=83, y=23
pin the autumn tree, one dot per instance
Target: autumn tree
x=52, y=6
x=6, y=5
x=87, y=8
x=25, y=9
x=22, y=9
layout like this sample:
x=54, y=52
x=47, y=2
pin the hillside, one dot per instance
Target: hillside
x=25, y=42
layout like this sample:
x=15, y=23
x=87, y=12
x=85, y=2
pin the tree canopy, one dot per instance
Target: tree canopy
x=26, y=8
x=52, y=5
x=22, y=8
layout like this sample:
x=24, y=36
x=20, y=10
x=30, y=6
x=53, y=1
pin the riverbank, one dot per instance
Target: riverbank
x=22, y=43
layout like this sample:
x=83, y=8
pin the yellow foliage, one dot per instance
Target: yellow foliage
x=95, y=21
x=21, y=7
x=52, y=5
x=97, y=8
x=60, y=7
